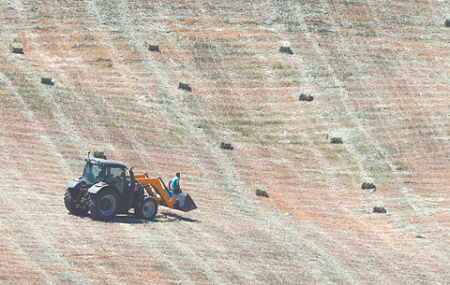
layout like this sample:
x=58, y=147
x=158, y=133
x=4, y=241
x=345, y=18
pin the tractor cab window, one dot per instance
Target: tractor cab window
x=92, y=173
x=115, y=176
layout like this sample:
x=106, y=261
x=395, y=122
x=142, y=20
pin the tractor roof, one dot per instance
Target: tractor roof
x=105, y=162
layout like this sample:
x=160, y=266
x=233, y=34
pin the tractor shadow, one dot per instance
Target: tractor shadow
x=171, y=217
x=160, y=218
x=121, y=218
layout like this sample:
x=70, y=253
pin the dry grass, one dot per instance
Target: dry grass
x=378, y=71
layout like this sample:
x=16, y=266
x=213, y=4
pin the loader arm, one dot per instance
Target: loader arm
x=162, y=195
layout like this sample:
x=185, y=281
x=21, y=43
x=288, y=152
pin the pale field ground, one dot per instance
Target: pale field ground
x=379, y=74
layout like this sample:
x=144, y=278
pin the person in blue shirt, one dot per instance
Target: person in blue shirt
x=174, y=184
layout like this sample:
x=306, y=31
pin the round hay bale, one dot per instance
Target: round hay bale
x=47, y=81
x=184, y=86
x=367, y=185
x=154, y=48
x=226, y=146
x=17, y=48
x=287, y=50
x=99, y=154
x=379, y=209
x=336, y=140
x=261, y=191
x=307, y=98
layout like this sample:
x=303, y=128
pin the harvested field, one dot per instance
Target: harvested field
x=379, y=72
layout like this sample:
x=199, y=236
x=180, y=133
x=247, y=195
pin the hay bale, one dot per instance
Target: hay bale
x=379, y=209
x=304, y=97
x=447, y=23
x=99, y=154
x=226, y=146
x=367, y=185
x=47, y=81
x=17, y=48
x=153, y=48
x=336, y=140
x=261, y=191
x=184, y=86
x=286, y=50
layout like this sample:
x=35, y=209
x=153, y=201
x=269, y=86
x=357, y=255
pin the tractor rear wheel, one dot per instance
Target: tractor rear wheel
x=104, y=205
x=70, y=200
x=147, y=208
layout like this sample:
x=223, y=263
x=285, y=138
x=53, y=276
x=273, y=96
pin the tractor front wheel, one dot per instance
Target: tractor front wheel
x=104, y=205
x=70, y=200
x=147, y=208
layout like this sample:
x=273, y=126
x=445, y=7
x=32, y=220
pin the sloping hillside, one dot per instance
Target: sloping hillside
x=379, y=74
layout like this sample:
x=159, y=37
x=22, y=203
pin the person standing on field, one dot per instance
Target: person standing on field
x=174, y=184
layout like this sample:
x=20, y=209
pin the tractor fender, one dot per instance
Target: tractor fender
x=97, y=187
x=75, y=183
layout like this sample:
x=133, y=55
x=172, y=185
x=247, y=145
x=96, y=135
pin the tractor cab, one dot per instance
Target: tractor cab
x=101, y=170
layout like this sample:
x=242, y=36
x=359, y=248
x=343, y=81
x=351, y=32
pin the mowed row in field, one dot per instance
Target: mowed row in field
x=379, y=75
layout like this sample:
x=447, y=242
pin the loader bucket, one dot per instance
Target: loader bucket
x=185, y=202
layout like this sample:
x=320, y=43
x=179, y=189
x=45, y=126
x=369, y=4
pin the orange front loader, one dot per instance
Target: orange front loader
x=156, y=188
